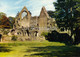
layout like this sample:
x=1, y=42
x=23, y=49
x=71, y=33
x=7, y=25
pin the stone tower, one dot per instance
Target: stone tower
x=45, y=21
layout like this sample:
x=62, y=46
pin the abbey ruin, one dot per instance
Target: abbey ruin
x=29, y=26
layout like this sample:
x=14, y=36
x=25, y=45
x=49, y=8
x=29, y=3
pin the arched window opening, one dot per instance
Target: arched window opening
x=24, y=14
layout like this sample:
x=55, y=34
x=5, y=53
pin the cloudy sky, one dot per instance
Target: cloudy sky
x=11, y=7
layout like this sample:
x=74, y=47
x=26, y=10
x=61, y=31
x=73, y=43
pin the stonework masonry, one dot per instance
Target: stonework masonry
x=31, y=27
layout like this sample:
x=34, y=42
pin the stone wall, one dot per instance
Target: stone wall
x=39, y=24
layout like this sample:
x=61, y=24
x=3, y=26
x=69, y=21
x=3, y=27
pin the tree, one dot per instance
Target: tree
x=77, y=16
x=77, y=6
x=51, y=14
x=4, y=21
x=65, y=14
x=12, y=20
x=2, y=14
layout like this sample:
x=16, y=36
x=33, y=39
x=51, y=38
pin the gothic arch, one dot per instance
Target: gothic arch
x=24, y=10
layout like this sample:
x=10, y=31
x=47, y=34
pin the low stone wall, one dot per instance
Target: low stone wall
x=25, y=38
x=22, y=38
x=6, y=38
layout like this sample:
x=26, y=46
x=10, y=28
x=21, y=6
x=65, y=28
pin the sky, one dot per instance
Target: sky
x=12, y=7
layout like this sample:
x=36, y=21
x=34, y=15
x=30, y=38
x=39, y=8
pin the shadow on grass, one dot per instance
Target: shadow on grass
x=5, y=49
x=59, y=51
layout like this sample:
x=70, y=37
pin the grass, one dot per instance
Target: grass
x=38, y=49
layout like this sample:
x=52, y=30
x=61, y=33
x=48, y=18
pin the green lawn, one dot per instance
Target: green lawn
x=38, y=49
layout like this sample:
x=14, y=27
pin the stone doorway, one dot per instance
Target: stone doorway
x=0, y=37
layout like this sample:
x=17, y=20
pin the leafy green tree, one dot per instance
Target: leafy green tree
x=12, y=20
x=51, y=14
x=77, y=14
x=77, y=6
x=66, y=14
x=2, y=14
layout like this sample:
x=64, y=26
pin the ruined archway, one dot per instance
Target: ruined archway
x=27, y=32
x=24, y=14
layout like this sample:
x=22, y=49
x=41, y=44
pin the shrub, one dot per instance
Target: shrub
x=5, y=32
x=59, y=37
x=14, y=38
x=44, y=34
